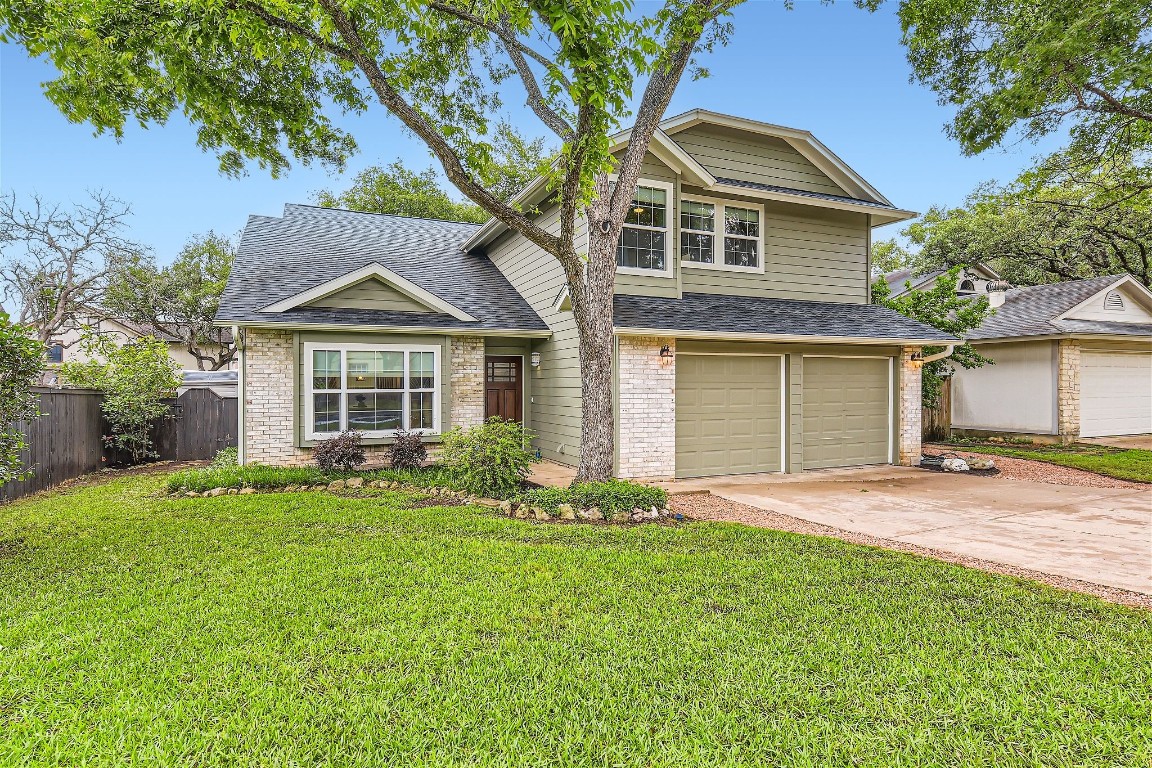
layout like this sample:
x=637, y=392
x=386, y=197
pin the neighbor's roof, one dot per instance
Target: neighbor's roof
x=280, y=258
x=1035, y=311
x=706, y=314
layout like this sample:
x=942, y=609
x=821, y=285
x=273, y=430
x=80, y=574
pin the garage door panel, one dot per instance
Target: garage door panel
x=727, y=415
x=1115, y=393
x=847, y=411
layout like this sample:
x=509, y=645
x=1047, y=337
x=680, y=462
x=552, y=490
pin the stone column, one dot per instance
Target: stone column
x=910, y=409
x=466, y=368
x=1068, y=390
x=646, y=413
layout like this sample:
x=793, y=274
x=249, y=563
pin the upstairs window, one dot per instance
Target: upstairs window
x=55, y=352
x=643, y=247
x=717, y=235
x=374, y=389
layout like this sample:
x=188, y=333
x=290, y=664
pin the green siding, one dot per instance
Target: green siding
x=371, y=294
x=731, y=154
x=552, y=411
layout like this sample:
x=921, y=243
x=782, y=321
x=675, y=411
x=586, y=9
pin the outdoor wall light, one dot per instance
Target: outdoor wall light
x=534, y=359
x=666, y=355
x=917, y=359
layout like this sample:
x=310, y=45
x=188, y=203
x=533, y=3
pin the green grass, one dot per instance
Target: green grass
x=1122, y=463
x=262, y=477
x=293, y=629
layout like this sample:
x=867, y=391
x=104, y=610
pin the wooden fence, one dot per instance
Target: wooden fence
x=67, y=440
x=937, y=422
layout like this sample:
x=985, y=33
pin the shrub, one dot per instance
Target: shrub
x=226, y=457
x=489, y=459
x=343, y=452
x=617, y=496
x=408, y=452
x=135, y=378
x=548, y=499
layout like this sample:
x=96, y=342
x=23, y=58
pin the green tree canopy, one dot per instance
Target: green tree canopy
x=1060, y=221
x=21, y=363
x=179, y=300
x=940, y=307
x=1037, y=65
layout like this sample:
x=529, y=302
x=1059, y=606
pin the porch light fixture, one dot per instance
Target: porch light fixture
x=917, y=359
x=534, y=359
x=666, y=355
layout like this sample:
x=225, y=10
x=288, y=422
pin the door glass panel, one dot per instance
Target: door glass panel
x=368, y=411
x=325, y=369
x=502, y=371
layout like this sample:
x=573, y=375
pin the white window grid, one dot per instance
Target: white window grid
x=720, y=235
x=670, y=210
x=342, y=394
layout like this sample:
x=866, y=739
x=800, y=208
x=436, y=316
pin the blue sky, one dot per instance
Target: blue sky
x=834, y=70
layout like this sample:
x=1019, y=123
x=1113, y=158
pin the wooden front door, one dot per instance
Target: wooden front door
x=504, y=387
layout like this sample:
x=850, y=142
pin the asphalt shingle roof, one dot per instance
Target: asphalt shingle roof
x=772, y=317
x=1032, y=311
x=802, y=193
x=281, y=257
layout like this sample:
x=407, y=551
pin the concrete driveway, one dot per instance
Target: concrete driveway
x=1099, y=535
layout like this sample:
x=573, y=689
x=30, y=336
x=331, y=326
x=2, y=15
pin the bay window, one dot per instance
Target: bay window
x=643, y=247
x=375, y=389
x=717, y=235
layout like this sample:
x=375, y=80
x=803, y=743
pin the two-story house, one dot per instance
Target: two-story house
x=745, y=341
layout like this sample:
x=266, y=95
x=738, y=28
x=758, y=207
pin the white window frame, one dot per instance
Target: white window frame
x=672, y=209
x=309, y=405
x=718, y=234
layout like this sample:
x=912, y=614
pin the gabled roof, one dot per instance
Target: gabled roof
x=897, y=278
x=861, y=196
x=1040, y=310
x=309, y=252
x=705, y=315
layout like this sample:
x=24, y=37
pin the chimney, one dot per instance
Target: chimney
x=996, y=292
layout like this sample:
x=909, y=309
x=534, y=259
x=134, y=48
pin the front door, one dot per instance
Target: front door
x=504, y=387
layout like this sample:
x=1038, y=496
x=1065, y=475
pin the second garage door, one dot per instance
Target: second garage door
x=1115, y=393
x=847, y=411
x=727, y=414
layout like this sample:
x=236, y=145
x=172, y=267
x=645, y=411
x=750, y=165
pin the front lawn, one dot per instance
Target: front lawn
x=306, y=628
x=1122, y=463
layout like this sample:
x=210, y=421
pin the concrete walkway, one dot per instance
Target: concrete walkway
x=1143, y=442
x=1099, y=535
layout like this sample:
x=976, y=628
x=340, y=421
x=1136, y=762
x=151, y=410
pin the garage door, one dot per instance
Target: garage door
x=847, y=411
x=727, y=414
x=1115, y=393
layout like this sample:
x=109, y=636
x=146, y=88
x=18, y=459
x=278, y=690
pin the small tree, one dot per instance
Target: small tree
x=21, y=363
x=135, y=378
x=180, y=299
x=940, y=307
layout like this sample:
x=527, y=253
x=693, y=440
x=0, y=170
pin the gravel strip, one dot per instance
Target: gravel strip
x=705, y=506
x=1038, y=471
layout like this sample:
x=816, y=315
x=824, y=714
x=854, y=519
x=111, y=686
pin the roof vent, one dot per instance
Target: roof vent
x=996, y=290
x=1114, y=301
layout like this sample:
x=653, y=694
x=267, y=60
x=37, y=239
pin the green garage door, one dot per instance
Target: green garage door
x=847, y=411
x=727, y=414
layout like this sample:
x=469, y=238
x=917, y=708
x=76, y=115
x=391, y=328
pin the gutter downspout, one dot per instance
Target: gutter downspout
x=939, y=355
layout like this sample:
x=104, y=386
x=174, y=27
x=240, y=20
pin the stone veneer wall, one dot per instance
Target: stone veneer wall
x=269, y=396
x=1068, y=390
x=910, y=410
x=646, y=409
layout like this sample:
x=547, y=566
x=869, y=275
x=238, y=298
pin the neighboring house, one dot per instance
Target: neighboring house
x=745, y=340
x=973, y=281
x=66, y=347
x=1072, y=359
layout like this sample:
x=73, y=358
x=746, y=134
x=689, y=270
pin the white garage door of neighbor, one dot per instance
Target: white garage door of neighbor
x=1115, y=393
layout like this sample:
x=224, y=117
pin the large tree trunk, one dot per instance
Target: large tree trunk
x=593, y=313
